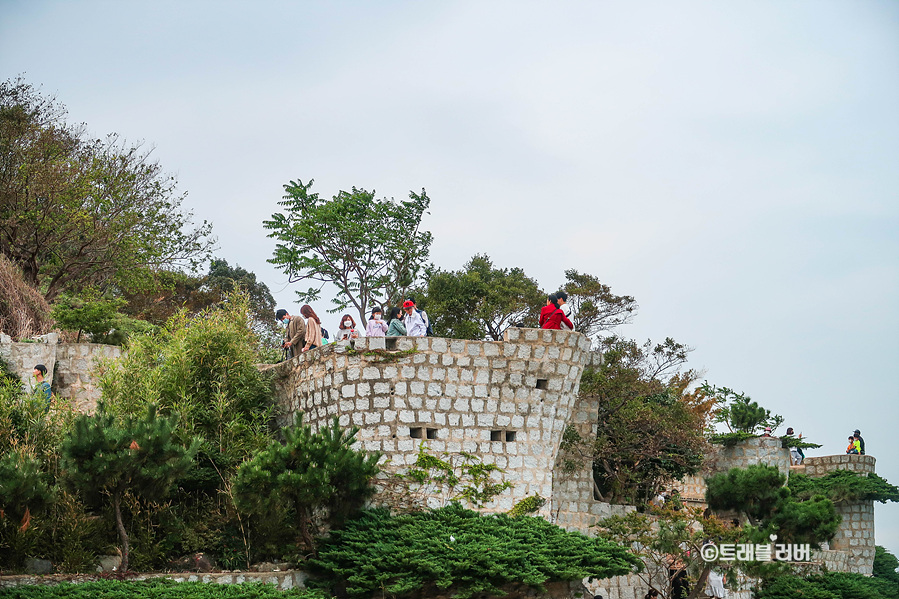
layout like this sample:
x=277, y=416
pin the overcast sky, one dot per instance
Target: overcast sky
x=732, y=165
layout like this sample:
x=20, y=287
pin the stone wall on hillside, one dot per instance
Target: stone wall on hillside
x=70, y=366
x=506, y=401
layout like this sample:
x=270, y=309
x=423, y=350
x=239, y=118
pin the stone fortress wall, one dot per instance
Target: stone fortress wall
x=70, y=366
x=506, y=401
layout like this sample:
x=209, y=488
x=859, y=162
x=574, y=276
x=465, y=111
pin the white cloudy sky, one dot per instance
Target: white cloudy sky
x=733, y=165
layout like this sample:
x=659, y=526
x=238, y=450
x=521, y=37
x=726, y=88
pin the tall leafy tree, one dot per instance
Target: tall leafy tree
x=105, y=458
x=373, y=250
x=481, y=300
x=649, y=429
x=77, y=212
x=595, y=307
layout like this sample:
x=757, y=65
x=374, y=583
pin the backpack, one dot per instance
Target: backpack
x=430, y=330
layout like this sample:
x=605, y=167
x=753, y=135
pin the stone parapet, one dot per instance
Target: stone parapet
x=76, y=377
x=821, y=466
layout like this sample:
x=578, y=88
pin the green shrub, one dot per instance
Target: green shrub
x=832, y=585
x=843, y=486
x=309, y=480
x=457, y=550
x=885, y=564
x=202, y=369
x=90, y=314
x=104, y=459
x=156, y=589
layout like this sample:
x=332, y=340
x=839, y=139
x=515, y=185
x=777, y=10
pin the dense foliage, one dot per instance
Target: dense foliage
x=671, y=540
x=650, y=429
x=832, y=585
x=79, y=212
x=595, y=307
x=738, y=412
x=104, y=458
x=372, y=250
x=844, y=485
x=453, y=548
x=480, y=301
x=156, y=589
x=310, y=480
x=758, y=492
x=201, y=369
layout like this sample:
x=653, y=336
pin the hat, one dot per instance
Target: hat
x=408, y=304
x=767, y=429
x=280, y=314
x=856, y=432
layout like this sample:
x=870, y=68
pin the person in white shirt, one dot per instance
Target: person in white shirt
x=415, y=324
x=562, y=301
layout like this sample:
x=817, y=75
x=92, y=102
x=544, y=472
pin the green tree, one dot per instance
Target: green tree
x=481, y=301
x=457, y=552
x=759, y=493
x=371, y=249
x=96, y=316
x=595, y=307
x=201, y=369
x=24, y=487
x=670, y=543
x=312, y=479
x=104, y=458
x=649, y=429
x=739, y=413
x=78, y=212
x=844, y=486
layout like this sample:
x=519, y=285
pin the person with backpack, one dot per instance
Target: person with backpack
x=548, y=309
x=415, y=320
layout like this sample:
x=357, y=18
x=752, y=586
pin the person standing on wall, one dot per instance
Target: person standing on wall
x=396, y=328
x=861, y=442
x=296, y=332
x=562, y=302
x=556, y=319
x=376, y=325
x=347, y=328
x=313, y=328
x=548, y=309
x=416, y=326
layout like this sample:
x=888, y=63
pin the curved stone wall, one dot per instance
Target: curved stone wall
x=506, y=401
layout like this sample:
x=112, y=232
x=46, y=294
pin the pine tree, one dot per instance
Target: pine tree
x=309, y=475
x=104, y=458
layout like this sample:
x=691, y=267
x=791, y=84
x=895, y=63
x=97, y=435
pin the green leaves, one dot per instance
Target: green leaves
x=457, y=549
x=738, y=412
x=315, y=477
x=481, y=301
x=371, y=249
x=843, y=486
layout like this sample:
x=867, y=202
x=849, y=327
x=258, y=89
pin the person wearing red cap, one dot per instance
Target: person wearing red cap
x=416, y=325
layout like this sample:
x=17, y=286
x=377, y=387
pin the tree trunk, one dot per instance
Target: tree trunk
x=700, y=583
x=123, y=534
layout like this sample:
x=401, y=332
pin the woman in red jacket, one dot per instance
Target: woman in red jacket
x=548, y=309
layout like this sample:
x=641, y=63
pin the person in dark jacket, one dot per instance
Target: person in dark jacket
x=861, y=442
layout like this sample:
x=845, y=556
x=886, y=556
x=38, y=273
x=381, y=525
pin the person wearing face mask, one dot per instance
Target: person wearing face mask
x=347, y=328
x=376, y=325
x=296, y=332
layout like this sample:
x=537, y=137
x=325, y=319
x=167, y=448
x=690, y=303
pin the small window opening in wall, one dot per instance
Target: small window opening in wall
x=431, y=433
x=510, y=436
x=415, y=432
x=392, y=390
x=542, y=384
x=390, y=343
x=496, y=435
